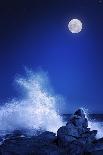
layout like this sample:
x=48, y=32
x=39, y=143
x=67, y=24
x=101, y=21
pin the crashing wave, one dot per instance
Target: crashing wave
x=37, y=110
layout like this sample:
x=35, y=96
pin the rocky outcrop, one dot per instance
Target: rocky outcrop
x=75, y=138
x=76, y=129
x=76, y=135
x=95, y=148
x=17, y=144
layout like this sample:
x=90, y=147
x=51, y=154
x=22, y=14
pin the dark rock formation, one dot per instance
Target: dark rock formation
x=76, y=129
x=73, y=139
x=95, y=148
x=76, y=135
x=24, y=145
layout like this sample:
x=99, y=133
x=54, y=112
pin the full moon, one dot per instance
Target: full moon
x=75, y=26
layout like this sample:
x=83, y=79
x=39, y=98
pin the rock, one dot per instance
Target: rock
x=72, y=130
x=75, y=138
x=100, y=152
x=95, y=147
x=88, y=137
x=76, y=148
x=66, y=135
x=35, y=145
x=79, y=120
x=100, y=140
x=80, y=112
x=76, y=130
x=47, y=137
x=91, y=148
x=14, y=134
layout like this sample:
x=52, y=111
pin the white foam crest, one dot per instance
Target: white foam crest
x=94, y=125
x=36, y=111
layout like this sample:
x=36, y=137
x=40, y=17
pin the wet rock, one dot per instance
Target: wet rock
x=80, y=112
x=76, y=131
x=100, y=152
x=72, y=130
x=88, y=137
x=76, y=148
x=79, y=120
x=100, y=140
x=95, y=147
x=47, y=137
x=35, y=145
x=67, y=134
x=90, y=133
x=14, y=134
x=75, y=138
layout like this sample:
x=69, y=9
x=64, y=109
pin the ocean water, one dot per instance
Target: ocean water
x=37, y=110
x=39, y=107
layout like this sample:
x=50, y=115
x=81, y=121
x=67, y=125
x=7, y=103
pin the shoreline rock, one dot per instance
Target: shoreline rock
x=75, y=138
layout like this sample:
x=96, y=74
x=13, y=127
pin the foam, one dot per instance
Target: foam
x=37, y=110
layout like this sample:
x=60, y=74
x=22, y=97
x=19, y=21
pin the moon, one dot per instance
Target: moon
x=75, y=25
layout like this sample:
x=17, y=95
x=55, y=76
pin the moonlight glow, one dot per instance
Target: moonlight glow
x=75, y=26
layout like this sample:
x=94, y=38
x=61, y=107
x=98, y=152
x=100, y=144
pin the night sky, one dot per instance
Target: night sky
x=36, y=35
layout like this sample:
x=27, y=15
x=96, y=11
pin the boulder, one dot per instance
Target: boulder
x=35, y=145
x=76, y=130
x=87, y=137
x=95, y=148
x=46, y=137
x=72, y=130
x=79, y=119
x=64, y=137
x=76, y=148
x=15, y=134
x=80, y=112
x=75, y=138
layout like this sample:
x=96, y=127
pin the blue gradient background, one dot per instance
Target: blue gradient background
x=36, y=35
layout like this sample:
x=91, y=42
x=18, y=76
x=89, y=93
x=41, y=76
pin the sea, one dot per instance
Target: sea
x=39, y=107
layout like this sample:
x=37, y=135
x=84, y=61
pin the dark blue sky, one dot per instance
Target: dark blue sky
x=36, y=35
